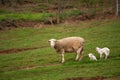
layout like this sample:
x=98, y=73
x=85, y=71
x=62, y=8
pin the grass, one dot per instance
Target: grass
x=67, y=14
x=96, y=33
x=25, y=16
x=6, y=15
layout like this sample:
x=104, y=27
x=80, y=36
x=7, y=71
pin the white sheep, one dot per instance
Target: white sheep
x=103, y=51
x=92, y=57
x=69, y=44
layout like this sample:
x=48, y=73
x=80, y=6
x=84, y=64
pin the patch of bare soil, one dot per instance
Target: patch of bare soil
x=15, y=50
x=28, y=67
x=94, y=78
x=33, y=67
x=81, y=78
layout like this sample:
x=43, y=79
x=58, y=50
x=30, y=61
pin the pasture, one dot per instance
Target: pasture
x=26, y=55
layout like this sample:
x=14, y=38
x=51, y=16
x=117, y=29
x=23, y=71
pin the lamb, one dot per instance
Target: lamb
x=69, y=44
x=92, y=57
x=102, y=51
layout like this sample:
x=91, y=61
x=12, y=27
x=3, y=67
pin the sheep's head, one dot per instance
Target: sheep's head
x=52, y=42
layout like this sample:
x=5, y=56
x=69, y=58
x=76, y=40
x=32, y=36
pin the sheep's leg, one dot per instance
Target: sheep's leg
x=79, y=53
x=77, y=56
x=81, y=56
x=63, y=59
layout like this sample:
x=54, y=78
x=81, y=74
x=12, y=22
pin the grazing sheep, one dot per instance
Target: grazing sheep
x=92, y=57
x=102, y=51
x=69, y=44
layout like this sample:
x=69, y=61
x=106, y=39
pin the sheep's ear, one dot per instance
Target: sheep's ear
x=48, y=40
x=55, y=40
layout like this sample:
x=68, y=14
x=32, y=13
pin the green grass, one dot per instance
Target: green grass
x=6, y=15
x=36, y=16
x=67, y=14
x=24, y=16
x=96, y=33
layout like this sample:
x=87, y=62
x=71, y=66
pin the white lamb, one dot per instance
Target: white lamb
x=69, y=44
x=103, y=51
x=92, y=57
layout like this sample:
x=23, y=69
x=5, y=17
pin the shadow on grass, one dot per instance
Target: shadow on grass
x=82, y=78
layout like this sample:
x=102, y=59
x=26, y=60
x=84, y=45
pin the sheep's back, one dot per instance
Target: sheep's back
x=71, y=41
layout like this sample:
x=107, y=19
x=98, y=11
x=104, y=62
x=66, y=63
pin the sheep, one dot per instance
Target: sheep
x=102, y=51
x=92, y=57
x=69, y=44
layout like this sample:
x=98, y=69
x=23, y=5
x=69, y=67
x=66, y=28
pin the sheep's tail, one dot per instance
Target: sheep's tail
x=82, y=44
x=82, y=41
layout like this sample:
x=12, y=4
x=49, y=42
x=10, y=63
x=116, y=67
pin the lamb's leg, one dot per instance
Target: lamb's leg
x=106, y=57
x=107, y=54
x=63, y=59
x=100, y=56
x=90, y=59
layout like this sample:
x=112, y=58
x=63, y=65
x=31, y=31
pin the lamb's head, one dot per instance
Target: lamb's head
x=90, y=54
x=97, y=48
x=52, y=42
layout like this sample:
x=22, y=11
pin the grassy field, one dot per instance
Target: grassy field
x=44, y=64
x=24, y=16
x=36, y=16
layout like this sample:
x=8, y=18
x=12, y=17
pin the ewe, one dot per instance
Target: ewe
x=69, y=44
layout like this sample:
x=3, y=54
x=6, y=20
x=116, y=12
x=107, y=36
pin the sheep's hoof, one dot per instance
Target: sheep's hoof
x=76, y=59
x=63, y=62
x=80, y=59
